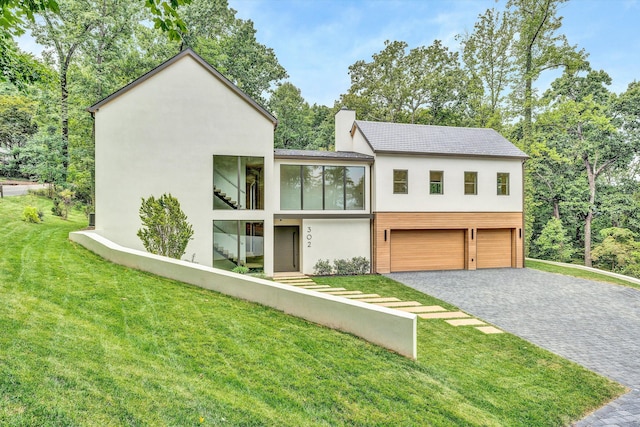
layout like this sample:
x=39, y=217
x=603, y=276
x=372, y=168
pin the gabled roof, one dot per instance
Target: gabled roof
x=400, y=138
x=281, y=153
x=187, y=52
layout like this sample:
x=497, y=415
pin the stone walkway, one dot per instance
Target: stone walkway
x=454, y=318
x=594, y=324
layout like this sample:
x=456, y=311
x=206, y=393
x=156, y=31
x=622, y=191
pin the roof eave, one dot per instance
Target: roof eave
x=414, y=153
x=187, y=52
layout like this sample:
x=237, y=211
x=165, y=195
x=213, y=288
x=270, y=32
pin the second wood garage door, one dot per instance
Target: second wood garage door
x=415, y=250
x=494, y=248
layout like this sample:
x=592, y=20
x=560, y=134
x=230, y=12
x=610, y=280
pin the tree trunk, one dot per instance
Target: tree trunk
x=556, y=209
x=528, y=94
x=591, y=175
x=64, y=117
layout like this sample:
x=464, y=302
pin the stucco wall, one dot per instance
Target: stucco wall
x=160, y=137
x=418, y=198
x=334, y=239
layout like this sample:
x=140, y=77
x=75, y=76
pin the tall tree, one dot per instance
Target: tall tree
x=229, y=44
x=579, y=125
x=294, y=117
x=486, y=53
x=424, y=85
x=539, y=46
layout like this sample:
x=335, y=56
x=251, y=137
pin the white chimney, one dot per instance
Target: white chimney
x=344, y=123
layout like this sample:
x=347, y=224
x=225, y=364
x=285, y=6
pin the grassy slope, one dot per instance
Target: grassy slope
x=583, y=274
x=86, y=342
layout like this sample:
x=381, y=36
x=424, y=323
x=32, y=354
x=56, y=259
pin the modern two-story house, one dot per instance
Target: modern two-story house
x=406, y=197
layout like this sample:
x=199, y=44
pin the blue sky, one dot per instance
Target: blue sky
x=316, y=41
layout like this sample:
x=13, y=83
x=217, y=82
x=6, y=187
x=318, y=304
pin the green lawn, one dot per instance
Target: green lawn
x=86, y=342
x=575, y=272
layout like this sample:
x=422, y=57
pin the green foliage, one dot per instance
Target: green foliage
x=41, y=158
x=322, y=268
x=240, y=269
x=342, y=267
x=553, y=243
x=425, y=85
x=618, y=252
x=32, y=214
x=165, y=228
x=193, y=353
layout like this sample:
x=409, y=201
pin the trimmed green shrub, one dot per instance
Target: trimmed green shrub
x=165, y=228
x=322, y=268
x=241, y=269
x=32, y=214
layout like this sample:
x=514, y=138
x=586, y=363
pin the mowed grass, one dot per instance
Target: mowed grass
x=575, y=272
x=88, y=343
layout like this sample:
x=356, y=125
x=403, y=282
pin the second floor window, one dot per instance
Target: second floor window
x=400, y=181
x=471, y=183
x=503, y=184
x=315, y=187
x=436, y=182
x=238, y=182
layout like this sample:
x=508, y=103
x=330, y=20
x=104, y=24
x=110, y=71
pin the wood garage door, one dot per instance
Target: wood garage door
x=415, y=250
x=494, y=248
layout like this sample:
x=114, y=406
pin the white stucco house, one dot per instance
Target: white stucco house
x=406, y=197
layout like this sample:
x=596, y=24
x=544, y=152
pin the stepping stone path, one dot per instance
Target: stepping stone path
x=454, y=318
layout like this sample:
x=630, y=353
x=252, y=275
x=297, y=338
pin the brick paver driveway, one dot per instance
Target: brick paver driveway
x=594, y=324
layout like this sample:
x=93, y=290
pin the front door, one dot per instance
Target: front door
x=286, y=248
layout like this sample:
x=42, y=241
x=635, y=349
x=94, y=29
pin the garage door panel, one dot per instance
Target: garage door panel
x=415, y=250
x=494, y=248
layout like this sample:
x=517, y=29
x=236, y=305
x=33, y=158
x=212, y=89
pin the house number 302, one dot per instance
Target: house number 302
x=309, y=237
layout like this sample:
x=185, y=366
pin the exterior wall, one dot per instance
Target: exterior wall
x=334, y=239
x=343, y=123
x=327, y=234
x=469, y=221
x=160, y=137
x=418, y=198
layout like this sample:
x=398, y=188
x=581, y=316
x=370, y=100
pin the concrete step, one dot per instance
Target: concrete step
x=465, y=322
x=382, y=299
x=330, y=289
x=400, y=304
x=444, y=315
x=343, y=293
x=316, y=287
x=422, y=309
x=361, y=296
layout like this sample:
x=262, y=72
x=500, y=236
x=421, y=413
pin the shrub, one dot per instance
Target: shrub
x=165, y=228
x=553, y=242
x=342, y=267
x=322, y=268
x=360, y=265
x=241, y=269
x=57, y=209
x=32, y=214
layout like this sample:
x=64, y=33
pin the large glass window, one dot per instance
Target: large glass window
x=313, y=187
x=334, y=187
x=354, y=180
x=290, y=187
x=238, y=182
x=503, y=184
x=400, y=181
x=436, y=182
x=471, y=183
x=238, y=243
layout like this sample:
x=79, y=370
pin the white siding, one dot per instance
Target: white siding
x=160, y=137
x=453, y=200
x=333, y=239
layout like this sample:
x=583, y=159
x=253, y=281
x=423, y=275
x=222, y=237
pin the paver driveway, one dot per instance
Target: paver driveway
x=594, y=324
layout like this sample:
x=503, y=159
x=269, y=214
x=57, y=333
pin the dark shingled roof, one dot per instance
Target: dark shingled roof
x=280, y=153
x=442, y=140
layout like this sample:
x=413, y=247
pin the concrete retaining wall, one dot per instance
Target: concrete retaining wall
x=392, y=329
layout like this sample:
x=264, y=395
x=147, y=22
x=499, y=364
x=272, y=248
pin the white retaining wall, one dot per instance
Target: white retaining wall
x=392, y=329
